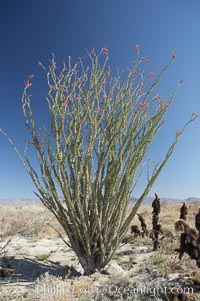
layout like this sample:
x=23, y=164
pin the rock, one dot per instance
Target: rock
x=97, y=284
x=5, y=272
x=114, y=269
x=173, y=276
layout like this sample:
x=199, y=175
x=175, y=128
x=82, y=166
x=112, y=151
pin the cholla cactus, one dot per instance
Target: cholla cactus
x=183, y=211
x=143, y=224
x=101, y=126
x=135, y=230
x=155, y=220
x=197, y=224
x=189, y=240
x=156, y=211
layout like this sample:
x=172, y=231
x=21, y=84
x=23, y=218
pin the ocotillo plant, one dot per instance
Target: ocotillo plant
x=101, y=126
x=183, y=211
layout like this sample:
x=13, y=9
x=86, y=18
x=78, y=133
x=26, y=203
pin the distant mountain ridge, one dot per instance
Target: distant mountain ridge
x=132, y=200
x=167, y=200
x=19, y=201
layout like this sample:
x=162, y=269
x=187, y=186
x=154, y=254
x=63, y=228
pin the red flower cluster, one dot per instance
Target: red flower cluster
x=151, y=74
x=92, y=51
x=142, y=94
x=70, y=97
x=42, y=143
x=104, y=82
x=137, y=48
x=178, y=132
x=157, y=97
x=194, y=115
x=65, y=101
x=31, y=76
x=54, y=87
x=105, y=49
x=28, y=85
x=145, y=59
x=143, y=105
x=173, y=54
x=54, y=64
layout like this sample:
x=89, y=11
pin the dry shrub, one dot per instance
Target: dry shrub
x=26, y=220
x=49, y=288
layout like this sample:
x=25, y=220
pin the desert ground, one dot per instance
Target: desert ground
x=36, y=264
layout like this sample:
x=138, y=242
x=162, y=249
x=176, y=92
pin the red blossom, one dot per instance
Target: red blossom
x=38, y=132
x=78, y=98
x=173, y=54
x=145, y=59
x=65, y=101
x=54, y=64
x=157, y=97
x=31, y=76
x=28, y=85
x=70, y=97
x=194, y=115
x=143, y=105
x=137, y=47
x=142, y=94
x=92, y=51
x=177, y=133
x=108, y=73
x=105, y=49
x=42, y=143
x=151, y=74
x=104, y=81
x=30, y=142
x=54, y=87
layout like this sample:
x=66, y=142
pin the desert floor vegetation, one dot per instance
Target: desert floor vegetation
x=36, y=264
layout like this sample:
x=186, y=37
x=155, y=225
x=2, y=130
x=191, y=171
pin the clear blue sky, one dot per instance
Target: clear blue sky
x=31, y=30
